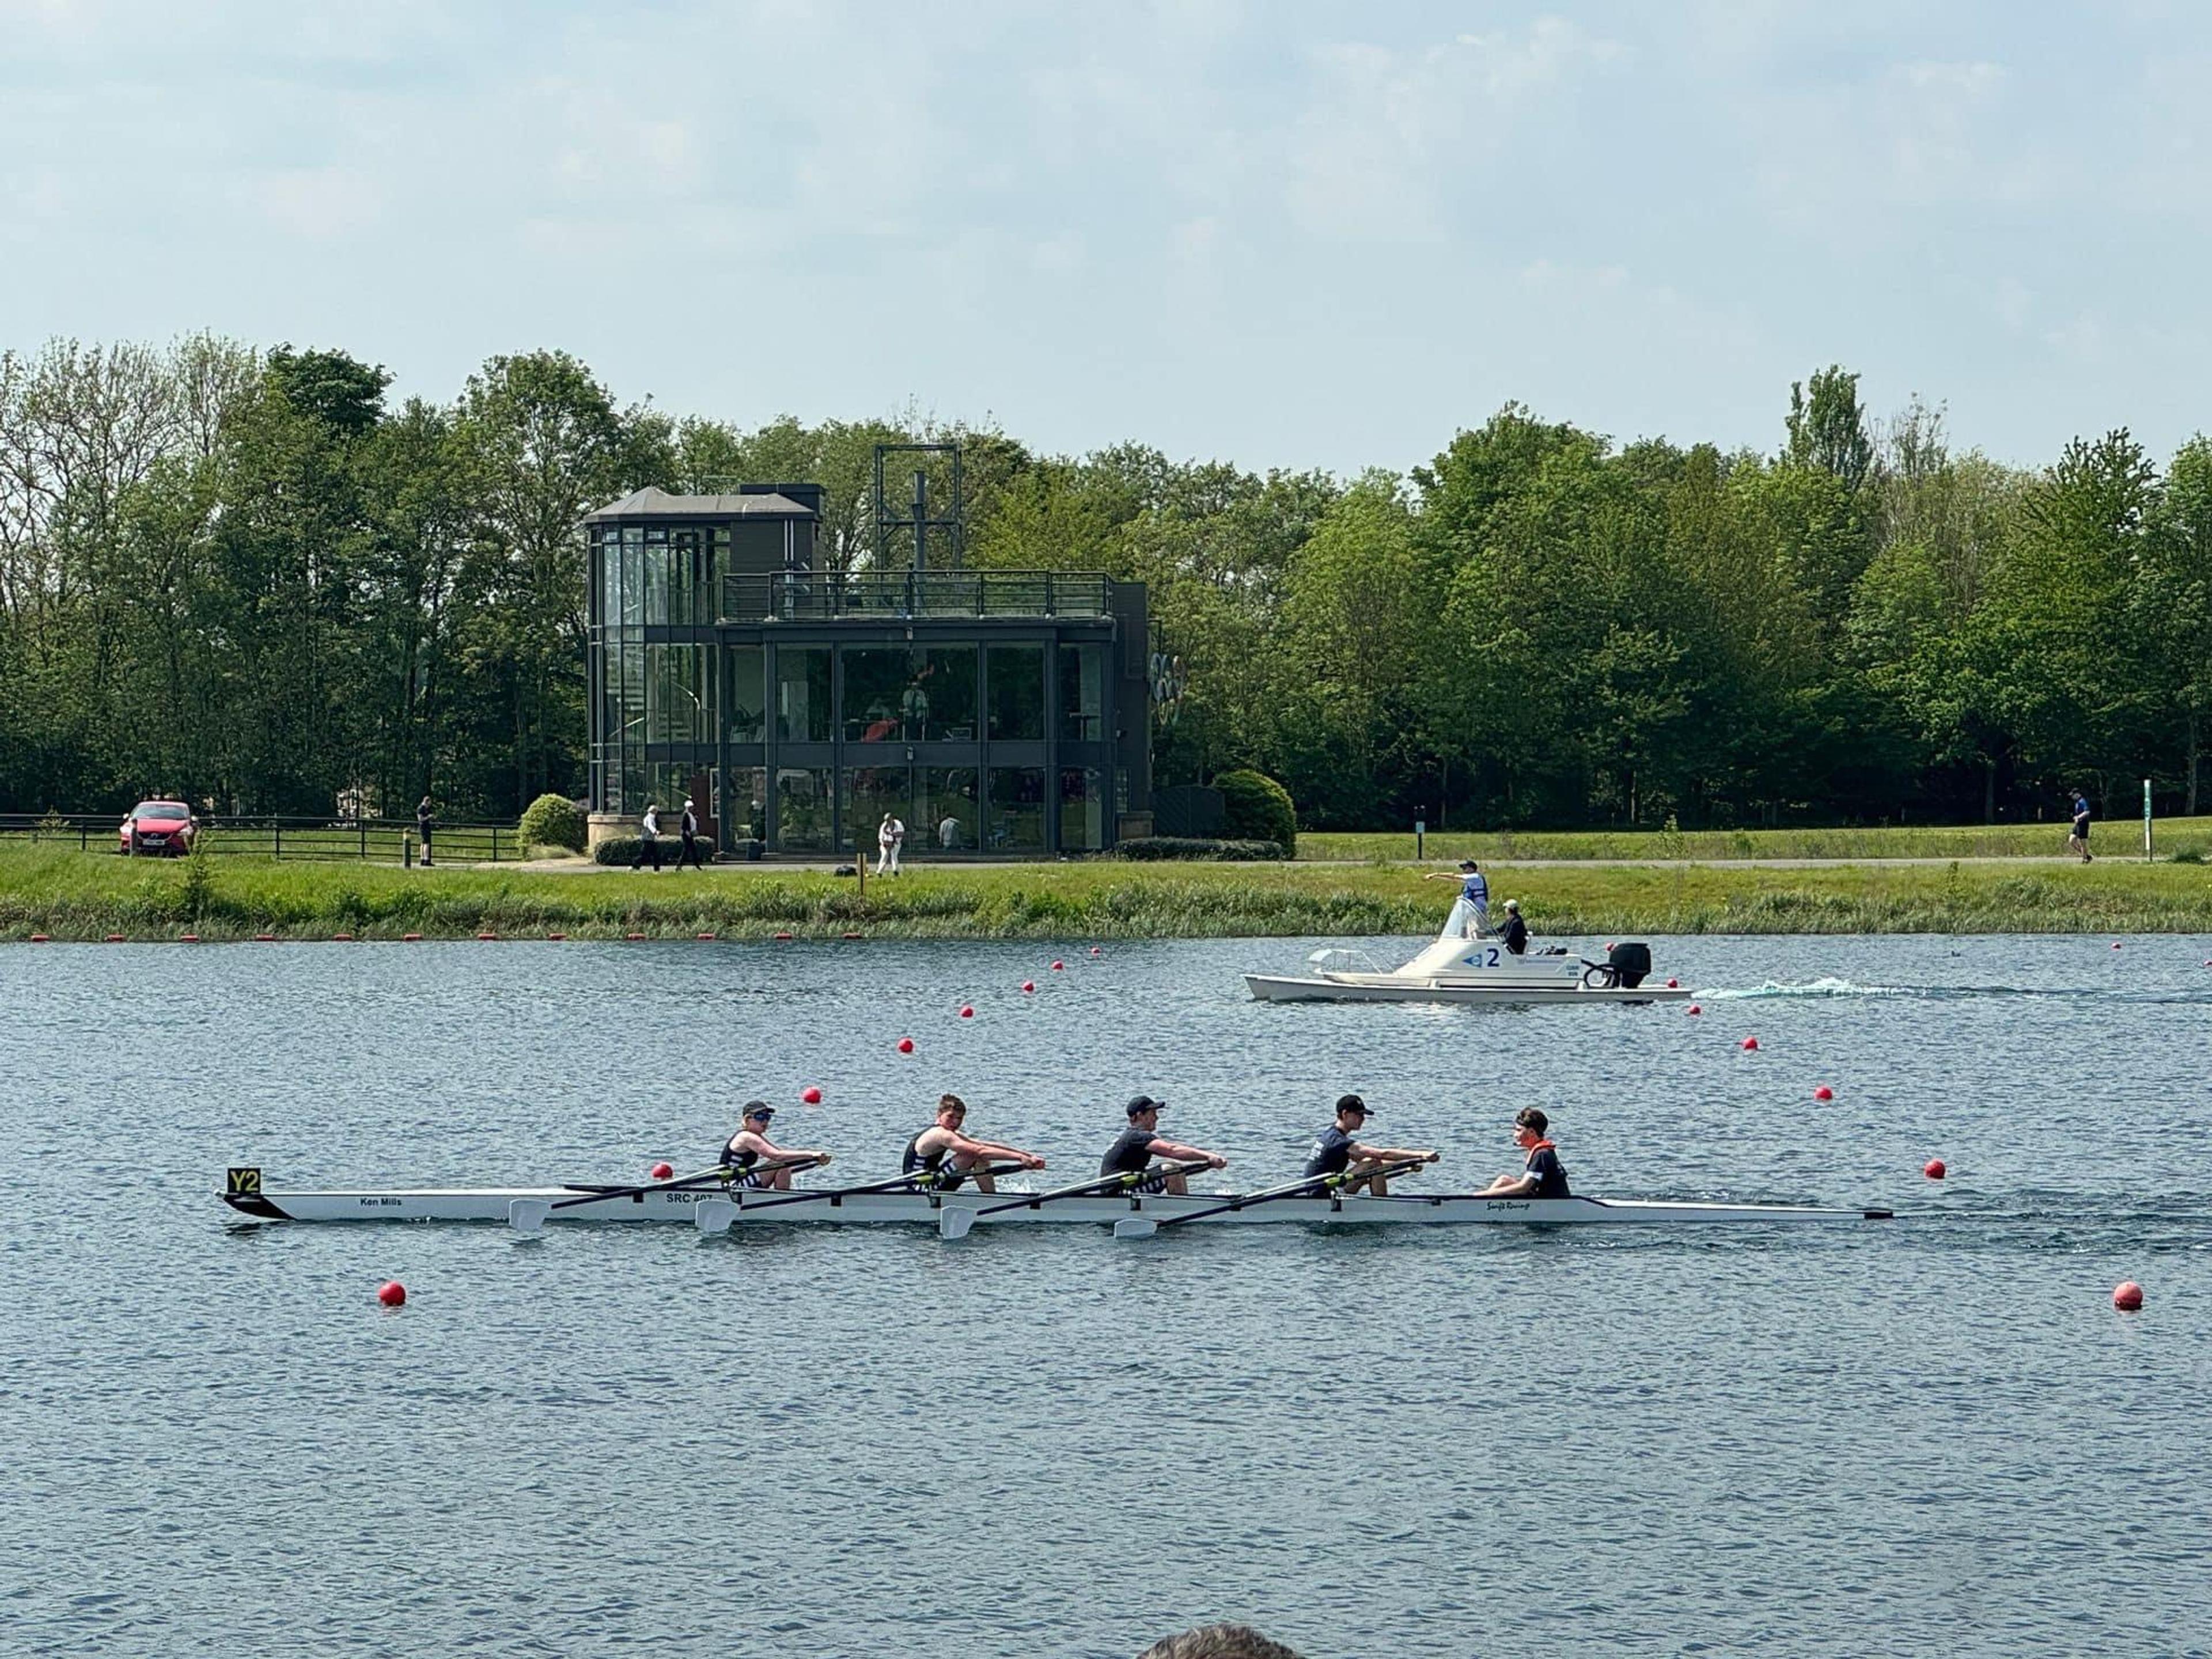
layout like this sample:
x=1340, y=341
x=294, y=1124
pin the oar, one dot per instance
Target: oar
x=1143, y=1226
x=813, y=1197
x=527, y=1215
x=954, y=1221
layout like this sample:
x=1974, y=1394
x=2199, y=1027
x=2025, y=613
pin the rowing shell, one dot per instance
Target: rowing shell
x=712, y=1211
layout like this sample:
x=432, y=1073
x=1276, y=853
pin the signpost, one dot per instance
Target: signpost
x=2146, y=820
x=1420, y=833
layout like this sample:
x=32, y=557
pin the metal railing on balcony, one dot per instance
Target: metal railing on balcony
x=819, y=595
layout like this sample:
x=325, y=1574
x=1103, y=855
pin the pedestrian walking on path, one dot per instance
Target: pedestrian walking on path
x=2078, y=842
x=424, y=821
x=890, y=836
x=690, y=854
x=648, y=838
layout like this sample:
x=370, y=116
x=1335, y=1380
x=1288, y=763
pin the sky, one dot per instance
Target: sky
x=1272, y=232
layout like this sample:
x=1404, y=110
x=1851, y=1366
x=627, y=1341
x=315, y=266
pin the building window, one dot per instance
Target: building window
x=876, y=679
x=802, y=694
x=802, y=809
x=1014, y=821
x=1082, y=810
x=745, y=700
x=1083, y=693
x=1016, y=693
x=871, y=791
x=946, y=815
x=676, y=695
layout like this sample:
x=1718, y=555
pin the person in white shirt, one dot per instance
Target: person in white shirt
x=890, y=835
x=648, y=843
x=948, y=832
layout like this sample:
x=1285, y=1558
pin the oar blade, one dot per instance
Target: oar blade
x=955, y=1221
x=1135, y=1226
x=712, y=1216
x=527, y=1215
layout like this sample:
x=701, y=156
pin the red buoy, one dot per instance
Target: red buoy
x=2116, y=945
x=556, y=938
x=486, y=938
x=1029, y=985
x=783, y=938
x=1933, y=1168
x=851, y=936
x=704, y=936
x=264, y=938
x=410, y=939
x=906, y=1045
x=2127, y=1296
x=1674, y=984
x=634, y=938
x=117, y=938
x=391, y=1293
x=1094, y=952
x=341, y=939
x=1059, y=966
x=1751, y=1045
x=1695, y=1009
x=38, y=939
x=967, y=1012
x=662, y=1171
x=1824, y=1092
x=810, y=1095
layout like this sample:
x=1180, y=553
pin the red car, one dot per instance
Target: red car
x=157, y=828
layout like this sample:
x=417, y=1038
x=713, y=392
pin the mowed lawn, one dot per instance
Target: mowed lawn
x=69, y=895
x=2119, y=838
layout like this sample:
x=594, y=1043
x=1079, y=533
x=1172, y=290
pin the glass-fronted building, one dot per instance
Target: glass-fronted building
x=996, y=713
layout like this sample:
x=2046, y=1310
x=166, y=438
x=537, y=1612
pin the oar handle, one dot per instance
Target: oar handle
x=1104, y=1184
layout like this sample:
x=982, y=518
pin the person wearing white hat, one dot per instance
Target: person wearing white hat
x=1516, y=931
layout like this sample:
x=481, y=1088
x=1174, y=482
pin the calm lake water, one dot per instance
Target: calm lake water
x=1931, y=1436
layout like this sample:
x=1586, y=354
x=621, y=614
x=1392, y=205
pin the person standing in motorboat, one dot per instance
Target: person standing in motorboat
x=1516, y=931
x=1338, y=1150
x=1541, y=1173
x=1473, y=893
x=1136, y=1147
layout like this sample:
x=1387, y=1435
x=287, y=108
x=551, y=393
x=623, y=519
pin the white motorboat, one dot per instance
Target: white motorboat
x=1455, y=968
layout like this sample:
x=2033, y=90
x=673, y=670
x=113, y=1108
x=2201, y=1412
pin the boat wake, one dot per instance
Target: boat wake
x=1817, y=988
x=1845, y=988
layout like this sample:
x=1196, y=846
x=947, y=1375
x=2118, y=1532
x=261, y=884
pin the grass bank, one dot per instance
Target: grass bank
x=70, y=895
x=2189, y=836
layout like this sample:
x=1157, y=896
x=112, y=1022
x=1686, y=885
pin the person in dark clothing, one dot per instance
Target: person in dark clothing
x=648, y=838
x=2078, y=843
x=755, y=1161
x=1516, y=931
x=1541, y=1173
x=1338, y=1150
x=690, y=830
x=1136, y=1147
x=423, y=823
x=940, y=1157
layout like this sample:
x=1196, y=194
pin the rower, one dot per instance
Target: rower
x=1136, y=1147
x=1516, y=931
x=1541, y=1175
x=942, y=1158
x=742, y=1153
x=1338, y=1150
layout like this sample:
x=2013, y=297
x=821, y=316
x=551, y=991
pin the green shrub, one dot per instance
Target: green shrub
x=551, y=821
x=2189, y=855
x=1255, y=807
x=619, y=849
x=1152, y=847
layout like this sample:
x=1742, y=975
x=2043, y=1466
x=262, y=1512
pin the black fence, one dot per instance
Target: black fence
x=813, y=596
x=379, y=841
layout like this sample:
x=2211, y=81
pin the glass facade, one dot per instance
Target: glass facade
x=1017, y=690
x=988, y=729
x=1015, y=816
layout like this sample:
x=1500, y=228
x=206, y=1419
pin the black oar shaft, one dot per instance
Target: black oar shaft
x=1292, y=1189
x=1102, y=1185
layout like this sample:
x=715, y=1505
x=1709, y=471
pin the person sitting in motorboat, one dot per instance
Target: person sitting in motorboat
x=940, y=1157
x=742, y=1152
x=1136, y=1147
x=1541, y=1175
x=1338, y=1150
x=1516, y=931
x=1473, y=895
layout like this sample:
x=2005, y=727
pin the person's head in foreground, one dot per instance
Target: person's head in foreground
x=1218, y=1642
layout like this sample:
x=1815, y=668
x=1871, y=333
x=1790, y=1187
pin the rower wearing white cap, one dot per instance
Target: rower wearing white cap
x=742, y=1152
x=1337, y=1150
x=1136, y=1147
x=1516, y=931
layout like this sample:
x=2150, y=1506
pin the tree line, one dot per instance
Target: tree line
x=246, y=576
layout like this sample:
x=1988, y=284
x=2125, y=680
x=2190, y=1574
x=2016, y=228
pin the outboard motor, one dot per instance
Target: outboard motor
x=1630, y=964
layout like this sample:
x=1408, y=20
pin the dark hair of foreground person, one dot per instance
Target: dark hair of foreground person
x=1218, y=1642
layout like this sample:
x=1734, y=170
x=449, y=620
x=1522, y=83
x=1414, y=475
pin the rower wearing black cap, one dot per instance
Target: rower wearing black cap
x=1338, y=1149
x=1541, y=1173
x=940, y=1157
x=1136, y=1147
x=742, y=1152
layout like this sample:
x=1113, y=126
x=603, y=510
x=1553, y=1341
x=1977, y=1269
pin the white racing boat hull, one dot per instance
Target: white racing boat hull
x=712, y=1210
x=1393, y=987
